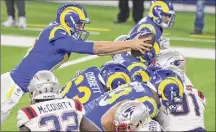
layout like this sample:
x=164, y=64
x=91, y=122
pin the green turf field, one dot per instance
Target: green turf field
x=200, y=71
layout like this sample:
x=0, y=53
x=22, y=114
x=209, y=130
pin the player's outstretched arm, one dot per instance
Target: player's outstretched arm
x=71, y=44
x=110, y=48
x=87, y=125
x=24, y=129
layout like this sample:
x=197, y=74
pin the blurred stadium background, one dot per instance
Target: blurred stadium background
x=199, y=49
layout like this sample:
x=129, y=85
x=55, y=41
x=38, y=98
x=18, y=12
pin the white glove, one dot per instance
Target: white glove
x=164, y=43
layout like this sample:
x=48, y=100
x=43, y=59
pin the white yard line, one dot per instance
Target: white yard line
x=23, y=41
x=192, y=39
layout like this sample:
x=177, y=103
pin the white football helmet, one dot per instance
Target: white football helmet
x=130, y=116
x=44, y=86
x=170, y=57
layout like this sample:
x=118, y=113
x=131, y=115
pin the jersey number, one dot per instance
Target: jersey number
x=56, y=120
x=81, y=89
x=185, y=106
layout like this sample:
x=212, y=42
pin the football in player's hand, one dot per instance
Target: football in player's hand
x=136, y=53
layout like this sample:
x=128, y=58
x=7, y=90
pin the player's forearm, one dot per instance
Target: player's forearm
x=70, y=44
x=110, y=48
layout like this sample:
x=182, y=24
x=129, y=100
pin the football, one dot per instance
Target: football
x=136, y=53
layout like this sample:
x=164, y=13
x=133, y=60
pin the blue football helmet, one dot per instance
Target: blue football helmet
x=114, y=74
x=149, y=56
x=138, y=72
x=73, y=17
x=162, y=13
x=145, y=74
x=169, y=87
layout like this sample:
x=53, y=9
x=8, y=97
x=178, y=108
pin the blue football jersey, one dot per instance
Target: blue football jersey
x=52, y=48
x=85, y=88
x=133, y=65
x=132, y=91
x=124, y=58
x=148, y=25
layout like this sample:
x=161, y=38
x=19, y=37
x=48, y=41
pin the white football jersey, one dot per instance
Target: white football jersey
x=189, y=114
x=187, y=81
x=152, y=126
x=53, y=115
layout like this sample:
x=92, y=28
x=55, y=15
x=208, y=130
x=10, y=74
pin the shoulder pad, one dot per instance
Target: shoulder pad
x=146, y=28
x=78, y=106
x=58, y=32
x=22, y=118
x=29, y=112
x=200, y=95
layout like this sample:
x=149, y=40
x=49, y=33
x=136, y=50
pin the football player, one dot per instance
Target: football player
x=93, y=82
x=172, y=57
x=189, y=114
x=190, y=108
x=129, y=115
x=53, y=47
x=161, y=16
x=48, y=112
x=167, y=91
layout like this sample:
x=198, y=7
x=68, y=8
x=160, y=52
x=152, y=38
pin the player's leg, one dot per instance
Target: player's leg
x=21, y=13
x=10, y=95
x=199, y=21
x=138, y=9
x=123, y=11
x=11, y=14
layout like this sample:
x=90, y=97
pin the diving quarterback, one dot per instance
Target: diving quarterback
x=48, y=112
x=92, y=82
x=161, y=16
x=53, y=47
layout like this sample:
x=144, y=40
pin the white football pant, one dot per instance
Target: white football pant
x=10, y=95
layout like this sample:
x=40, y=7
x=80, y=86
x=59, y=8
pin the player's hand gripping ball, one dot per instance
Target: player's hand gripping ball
x=136, y=53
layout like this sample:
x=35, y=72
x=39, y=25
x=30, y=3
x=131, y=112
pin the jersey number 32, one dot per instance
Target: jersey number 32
x=68, y=119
